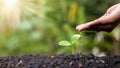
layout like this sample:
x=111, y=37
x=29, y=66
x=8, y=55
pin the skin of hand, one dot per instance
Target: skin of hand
x=107, y=22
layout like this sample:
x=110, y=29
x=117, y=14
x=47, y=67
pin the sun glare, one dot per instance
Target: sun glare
x=10, y=3
x=11, y=11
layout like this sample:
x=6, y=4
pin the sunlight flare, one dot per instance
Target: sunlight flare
x=10, y=3
x=12, y=11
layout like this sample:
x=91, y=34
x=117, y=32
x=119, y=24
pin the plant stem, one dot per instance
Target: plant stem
x=73, y=51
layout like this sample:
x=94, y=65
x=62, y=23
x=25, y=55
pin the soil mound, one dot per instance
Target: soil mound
x=60, y=61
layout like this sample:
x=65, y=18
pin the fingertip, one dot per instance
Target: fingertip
x=77, y=27
x=80, y=27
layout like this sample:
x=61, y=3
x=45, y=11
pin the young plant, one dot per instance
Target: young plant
x=70, y=43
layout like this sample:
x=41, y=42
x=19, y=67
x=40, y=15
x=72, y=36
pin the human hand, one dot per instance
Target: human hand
x=107, y=22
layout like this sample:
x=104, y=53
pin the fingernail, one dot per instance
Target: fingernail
x=77, y=27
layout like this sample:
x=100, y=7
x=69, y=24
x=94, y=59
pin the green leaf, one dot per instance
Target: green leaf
x=64, y=43
x=74, y=38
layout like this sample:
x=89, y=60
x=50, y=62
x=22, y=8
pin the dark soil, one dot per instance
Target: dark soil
x=61, y=61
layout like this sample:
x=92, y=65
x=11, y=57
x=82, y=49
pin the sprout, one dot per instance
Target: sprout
x=70, y=43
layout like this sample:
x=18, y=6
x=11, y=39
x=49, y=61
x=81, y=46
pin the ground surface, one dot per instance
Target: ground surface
x=61, y=61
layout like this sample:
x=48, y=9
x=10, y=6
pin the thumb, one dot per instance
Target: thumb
x=83, y=27
x=88, y=26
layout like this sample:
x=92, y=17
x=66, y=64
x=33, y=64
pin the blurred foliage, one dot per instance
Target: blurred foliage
x=52, y=21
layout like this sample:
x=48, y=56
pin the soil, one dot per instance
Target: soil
x=60, y=61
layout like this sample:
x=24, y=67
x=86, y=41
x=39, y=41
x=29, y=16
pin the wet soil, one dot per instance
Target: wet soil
x=60, y=61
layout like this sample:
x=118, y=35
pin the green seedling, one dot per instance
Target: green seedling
x=70, y=43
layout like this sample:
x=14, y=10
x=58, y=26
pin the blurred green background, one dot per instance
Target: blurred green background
x=36, y=27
